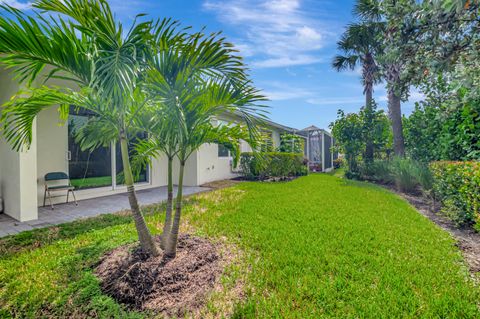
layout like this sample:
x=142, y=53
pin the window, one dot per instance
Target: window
x=139, y=177
x=222, y=151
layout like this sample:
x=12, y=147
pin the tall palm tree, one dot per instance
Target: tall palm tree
x=85, y=45
x=360, y=46
x=391, y=65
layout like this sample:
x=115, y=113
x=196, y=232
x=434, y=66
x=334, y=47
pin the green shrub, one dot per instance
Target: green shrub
x=457, y=186
x=407, y=175
x=378, y=171
x=404, y=172
x=272, y=164
x=337, y=163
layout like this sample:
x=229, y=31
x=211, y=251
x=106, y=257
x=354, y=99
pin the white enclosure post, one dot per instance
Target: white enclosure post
x=323, y=151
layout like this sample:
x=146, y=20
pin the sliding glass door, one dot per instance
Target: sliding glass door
x=87, y=169
x=94, y=169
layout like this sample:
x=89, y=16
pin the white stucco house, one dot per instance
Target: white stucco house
x=97, y=173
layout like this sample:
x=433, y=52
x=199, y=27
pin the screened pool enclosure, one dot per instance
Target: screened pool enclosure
x=318, y=148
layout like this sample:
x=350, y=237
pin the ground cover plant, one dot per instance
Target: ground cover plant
x=364, y=252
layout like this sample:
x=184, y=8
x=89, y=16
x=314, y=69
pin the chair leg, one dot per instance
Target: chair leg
x=50, y=199
x=68, y=193
x=44, y=196
x=74, y=198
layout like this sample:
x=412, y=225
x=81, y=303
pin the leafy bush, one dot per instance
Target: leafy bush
x=272, y=164
x=378, y=171
x=457, y=186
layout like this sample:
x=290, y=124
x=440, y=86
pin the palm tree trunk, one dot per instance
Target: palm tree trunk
x=368, y=104
x=144, y=236
x=171, y=250
x=394, y=108
x=168, y=216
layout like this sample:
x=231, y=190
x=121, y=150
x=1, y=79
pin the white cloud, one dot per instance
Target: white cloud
x=279, y=91
x=278, y=32
x=336, y=101
x=286, y=61
x=17, y=4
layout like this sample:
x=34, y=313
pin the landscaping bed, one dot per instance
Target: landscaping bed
x=172, y=287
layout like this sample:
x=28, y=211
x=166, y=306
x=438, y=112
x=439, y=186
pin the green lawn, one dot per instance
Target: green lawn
x=91, y=182
x=317, y=247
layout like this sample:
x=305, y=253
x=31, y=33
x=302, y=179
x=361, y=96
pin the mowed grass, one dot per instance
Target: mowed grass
x=316, y=247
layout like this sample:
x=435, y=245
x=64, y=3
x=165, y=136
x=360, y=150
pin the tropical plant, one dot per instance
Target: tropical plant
x=86, y=46
x=360, y=45
x=353, y=131
x=392, y=62
x=200, y=80
x=347, y=131
x=161, y=140
x=457, y=186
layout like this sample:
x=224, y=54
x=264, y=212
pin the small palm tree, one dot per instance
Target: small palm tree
x=360, y=46
x=194, y=116
x=161, y=140
x=86, y=46
x=191, y=84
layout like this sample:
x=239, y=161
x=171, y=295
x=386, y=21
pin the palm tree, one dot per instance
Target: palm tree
x=195, y=82
x=84, y=45
x=391, y=65
x=360, y=46
x=194, y=113
x=161, y=140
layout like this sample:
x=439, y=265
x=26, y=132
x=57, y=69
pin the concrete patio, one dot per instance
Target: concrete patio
x=64, y=213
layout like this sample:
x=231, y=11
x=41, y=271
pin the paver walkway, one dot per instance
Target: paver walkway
x=64, y=213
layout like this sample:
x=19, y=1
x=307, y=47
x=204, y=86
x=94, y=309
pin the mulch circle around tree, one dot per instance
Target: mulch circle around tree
x=171, y=287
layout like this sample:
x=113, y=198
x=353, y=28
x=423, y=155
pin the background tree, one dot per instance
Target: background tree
x=392, y=61
x=347, y=131
x=352, y=132
x=360, y=45
x=83, y=44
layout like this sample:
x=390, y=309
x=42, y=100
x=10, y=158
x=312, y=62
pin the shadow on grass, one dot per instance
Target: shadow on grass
x=36, y=238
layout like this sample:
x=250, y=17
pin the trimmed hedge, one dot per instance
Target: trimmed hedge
x=457, y=186
x=272, y=164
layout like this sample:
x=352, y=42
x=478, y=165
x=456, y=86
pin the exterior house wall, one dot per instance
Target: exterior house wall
x=52, y=147
x=190, y=175
x=211, y=167
x=19, y=170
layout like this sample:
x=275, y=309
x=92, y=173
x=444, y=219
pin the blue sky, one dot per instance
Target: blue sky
x=288, y=45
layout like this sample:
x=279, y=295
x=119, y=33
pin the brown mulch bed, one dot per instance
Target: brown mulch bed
x=173, y=288
x=468, y=240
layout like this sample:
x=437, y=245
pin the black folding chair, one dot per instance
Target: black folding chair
x=57, y=181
